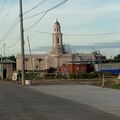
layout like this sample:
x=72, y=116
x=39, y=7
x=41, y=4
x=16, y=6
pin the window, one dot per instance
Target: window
x=57, y=40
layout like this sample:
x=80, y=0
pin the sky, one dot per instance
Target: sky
x=87, y=25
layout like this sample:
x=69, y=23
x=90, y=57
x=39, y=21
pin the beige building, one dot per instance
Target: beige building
x=55, y=58
x=7, y=68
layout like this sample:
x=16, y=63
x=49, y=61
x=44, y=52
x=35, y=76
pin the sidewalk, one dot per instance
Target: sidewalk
x=104, y=99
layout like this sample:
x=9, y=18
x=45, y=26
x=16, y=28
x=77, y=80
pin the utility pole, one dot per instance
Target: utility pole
x=22, y=44
x=4, y=49
x=31, y=57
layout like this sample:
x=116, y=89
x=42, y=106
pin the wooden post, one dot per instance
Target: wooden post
x=103, y=81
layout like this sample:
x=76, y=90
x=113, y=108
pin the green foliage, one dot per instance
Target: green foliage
x=12, y=57
x=105, y=73
x=49, y=76
x=117, y=57
x=30, y=75
x=83, y=75
x=73, y=75
x=116, y=86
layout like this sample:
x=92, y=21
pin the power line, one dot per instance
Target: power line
x=14, y=43
x=93, y=34
x=30, y=27
x=9, y=31
x=41, y=3
x=3, y=6
x=9, y=10
x=34, y=15
x=31, y=57
x=54, y=7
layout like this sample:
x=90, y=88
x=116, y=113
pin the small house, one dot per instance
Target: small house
x=7, y=67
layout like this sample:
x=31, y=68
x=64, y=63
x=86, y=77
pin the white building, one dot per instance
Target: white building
x=55, y=58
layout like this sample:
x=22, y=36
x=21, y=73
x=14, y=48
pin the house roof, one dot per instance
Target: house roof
x=7, y=61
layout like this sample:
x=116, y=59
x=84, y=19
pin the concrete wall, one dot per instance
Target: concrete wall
x=45, y=61
x=9, y=71
x=107, y=66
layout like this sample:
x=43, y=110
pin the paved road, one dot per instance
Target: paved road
x=105, y=99
x=22, y=103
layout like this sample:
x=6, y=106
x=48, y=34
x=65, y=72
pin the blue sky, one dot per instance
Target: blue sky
x=78, y=17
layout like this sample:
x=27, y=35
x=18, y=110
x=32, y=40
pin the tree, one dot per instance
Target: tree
x=99, y=57
x=117, y=58
x=12, y=57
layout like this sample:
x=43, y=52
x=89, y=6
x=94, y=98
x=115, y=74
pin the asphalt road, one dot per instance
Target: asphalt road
x=104, y=99
x=21, y=103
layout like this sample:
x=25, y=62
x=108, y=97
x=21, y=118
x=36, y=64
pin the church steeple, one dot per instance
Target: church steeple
x=57, y=27
x=57, y=39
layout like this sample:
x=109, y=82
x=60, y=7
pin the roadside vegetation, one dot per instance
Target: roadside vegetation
x=30, y=75
x=116, y=86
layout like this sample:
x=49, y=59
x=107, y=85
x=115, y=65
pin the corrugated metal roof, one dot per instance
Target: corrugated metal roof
x=7, y=61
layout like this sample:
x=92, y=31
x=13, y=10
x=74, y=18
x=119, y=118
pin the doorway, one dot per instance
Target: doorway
x=4, y=73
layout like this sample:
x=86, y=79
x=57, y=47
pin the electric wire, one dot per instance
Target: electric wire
x=3, y=6
x=93, y=34
x=34, y=15
x=30, y=27
x=14, y=43
x=41, y=3
x=54, y=7
x=9, y=31
x=9, y=10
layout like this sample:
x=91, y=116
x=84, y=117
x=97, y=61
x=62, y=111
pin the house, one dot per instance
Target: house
x=7, y=67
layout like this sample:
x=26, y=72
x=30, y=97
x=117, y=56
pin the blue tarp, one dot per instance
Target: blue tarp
x=115, y=71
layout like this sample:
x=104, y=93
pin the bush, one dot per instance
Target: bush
x=116, y=86
x=49, y=76
x=83, y=75
x=73, y=75
x=30, y=75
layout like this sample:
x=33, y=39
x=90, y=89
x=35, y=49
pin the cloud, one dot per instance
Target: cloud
x=102, y=45
x=99, y=45
x=42, y=48
x=107, y=45
x=76, y=17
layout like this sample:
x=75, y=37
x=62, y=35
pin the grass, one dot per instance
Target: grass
x=116, y=86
